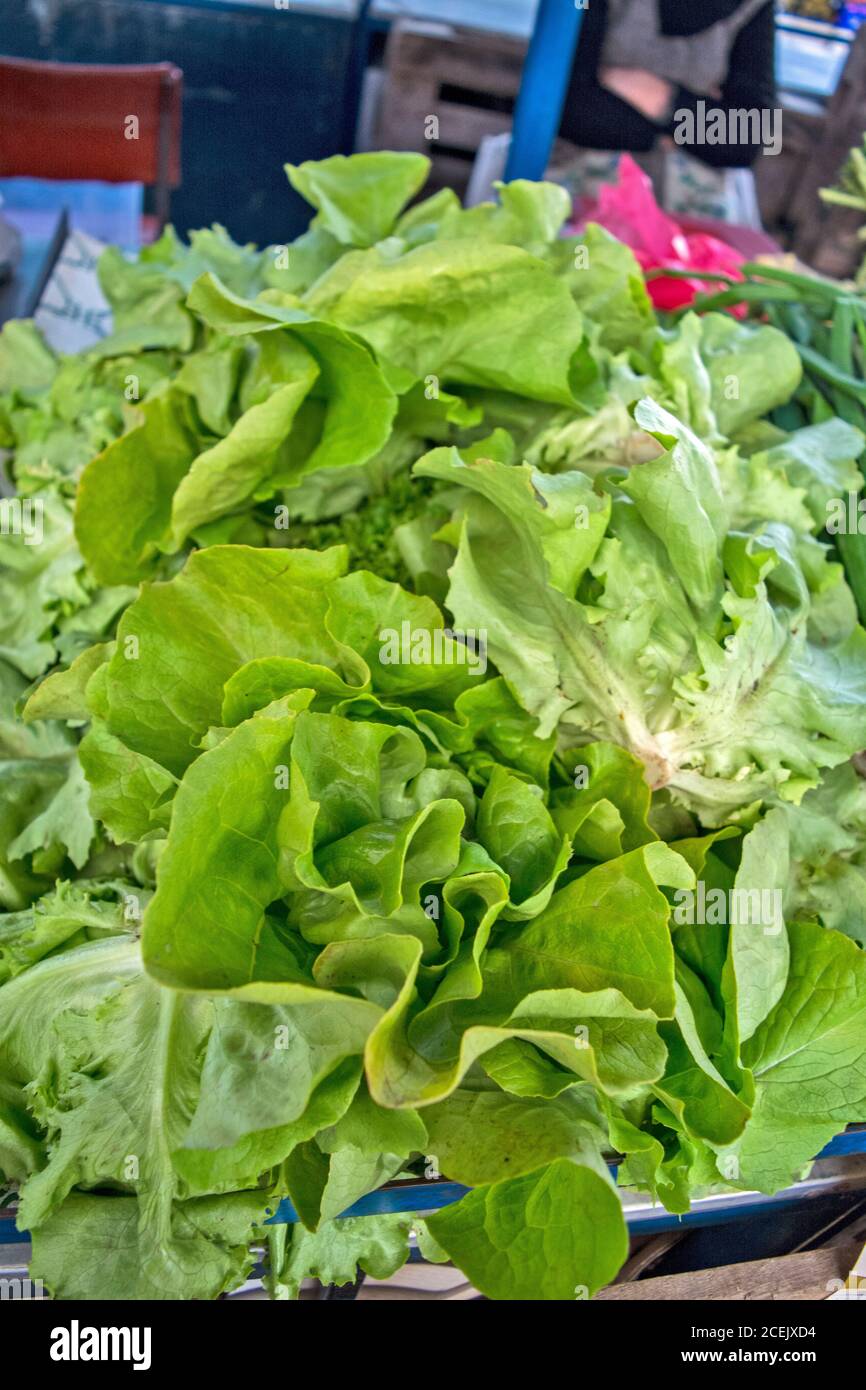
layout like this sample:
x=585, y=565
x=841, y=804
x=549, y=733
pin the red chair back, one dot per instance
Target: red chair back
x=86, y=121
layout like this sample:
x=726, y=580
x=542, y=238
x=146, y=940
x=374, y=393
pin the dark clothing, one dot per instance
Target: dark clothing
x=599, y=120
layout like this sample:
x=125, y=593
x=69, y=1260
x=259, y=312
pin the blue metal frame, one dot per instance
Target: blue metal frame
x=543, y=87
x=425, y=1196
x=853, y=1141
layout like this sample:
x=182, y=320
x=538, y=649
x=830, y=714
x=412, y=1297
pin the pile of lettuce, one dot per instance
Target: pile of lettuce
x=444, y=761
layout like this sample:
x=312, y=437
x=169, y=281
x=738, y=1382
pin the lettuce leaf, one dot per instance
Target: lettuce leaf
x=688, y=646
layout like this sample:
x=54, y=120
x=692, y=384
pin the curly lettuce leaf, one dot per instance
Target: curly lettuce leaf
x=690, y=648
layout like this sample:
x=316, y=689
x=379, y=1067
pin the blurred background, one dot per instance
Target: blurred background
x=224, y=92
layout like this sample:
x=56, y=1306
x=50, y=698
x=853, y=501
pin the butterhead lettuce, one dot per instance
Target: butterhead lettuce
x=444, y=765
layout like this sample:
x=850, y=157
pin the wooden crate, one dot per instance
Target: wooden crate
x=466, y=79
x=809, y=1275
